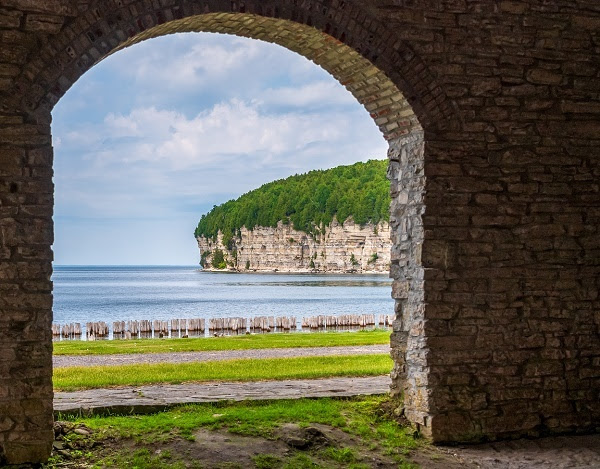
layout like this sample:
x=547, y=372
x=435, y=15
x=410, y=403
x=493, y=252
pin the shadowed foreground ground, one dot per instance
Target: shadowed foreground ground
x=217, y=448
x=582, y=452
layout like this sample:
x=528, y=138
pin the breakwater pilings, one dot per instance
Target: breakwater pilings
x=198, y=327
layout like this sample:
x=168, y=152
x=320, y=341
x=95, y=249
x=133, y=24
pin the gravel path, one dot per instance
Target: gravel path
x=60, y=361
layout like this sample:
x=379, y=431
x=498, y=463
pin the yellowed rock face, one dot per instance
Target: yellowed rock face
x=341, y=248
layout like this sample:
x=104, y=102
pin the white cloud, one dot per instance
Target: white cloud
x=320, y=93
x=121, y=126
x=183, y=62
x=132, y=163
x=233, y=128
x=198, y=64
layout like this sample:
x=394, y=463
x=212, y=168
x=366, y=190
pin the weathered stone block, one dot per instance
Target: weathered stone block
x=514, y=7
x=11, y=161
x=486, y=87
x=10, y=18
x=49, y=24
x=541, y=76
x=57, y=7
x=16, y=452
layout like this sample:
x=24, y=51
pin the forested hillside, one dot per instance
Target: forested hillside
x=308, y=201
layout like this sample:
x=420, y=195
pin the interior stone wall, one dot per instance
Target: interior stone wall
x=492, y=112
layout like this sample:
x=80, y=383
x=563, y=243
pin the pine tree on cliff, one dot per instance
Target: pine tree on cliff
x=308, y=201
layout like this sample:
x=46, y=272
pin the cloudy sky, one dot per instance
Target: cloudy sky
x=155, y=135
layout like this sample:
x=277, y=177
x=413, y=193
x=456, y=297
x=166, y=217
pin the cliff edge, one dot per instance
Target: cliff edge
x=341, y=248
x=333, y=220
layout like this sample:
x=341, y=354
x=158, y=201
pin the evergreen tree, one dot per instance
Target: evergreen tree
x=308, y=201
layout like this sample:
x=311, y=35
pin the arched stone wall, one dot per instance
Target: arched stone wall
x=495, y=213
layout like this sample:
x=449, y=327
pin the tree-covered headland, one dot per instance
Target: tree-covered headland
x=308, y=201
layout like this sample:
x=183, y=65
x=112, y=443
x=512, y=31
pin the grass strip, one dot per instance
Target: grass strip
x=245, y=342
x=75, y=378
x=360, y=415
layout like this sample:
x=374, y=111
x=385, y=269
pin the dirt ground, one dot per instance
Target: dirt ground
x=296, y=447
x=217, y=449
x=293, y=447
x=322, y=446
x=561, y=452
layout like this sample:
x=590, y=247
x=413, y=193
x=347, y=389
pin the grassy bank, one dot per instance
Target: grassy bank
x=73, y=378
x=355, y=433
x=245, y=342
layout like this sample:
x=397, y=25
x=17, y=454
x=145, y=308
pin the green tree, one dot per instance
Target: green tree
x=308, y=201
x=218, y=260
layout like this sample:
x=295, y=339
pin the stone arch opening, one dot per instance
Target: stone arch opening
x=372, y=88
x=341, y=41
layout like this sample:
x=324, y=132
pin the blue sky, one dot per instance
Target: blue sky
x=155, y=135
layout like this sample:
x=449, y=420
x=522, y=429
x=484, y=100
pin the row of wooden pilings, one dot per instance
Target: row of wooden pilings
x=239, y=325
x=346, y=320
x=66, y=330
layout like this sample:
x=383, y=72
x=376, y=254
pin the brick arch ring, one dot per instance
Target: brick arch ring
x=383, y=73
x=341, y=37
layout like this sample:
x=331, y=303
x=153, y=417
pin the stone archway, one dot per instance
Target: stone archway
x=494, y=211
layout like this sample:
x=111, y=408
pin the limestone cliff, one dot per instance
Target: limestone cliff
x=340, y=248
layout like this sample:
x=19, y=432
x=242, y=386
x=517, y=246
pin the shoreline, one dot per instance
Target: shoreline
x=230, y=270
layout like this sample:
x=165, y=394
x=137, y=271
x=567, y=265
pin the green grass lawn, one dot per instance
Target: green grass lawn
x=250, y=418
x=172, y=440
x=73, y=378
x=244, y=342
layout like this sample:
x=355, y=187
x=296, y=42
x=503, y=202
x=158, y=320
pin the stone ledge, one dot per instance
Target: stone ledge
x=155, y=398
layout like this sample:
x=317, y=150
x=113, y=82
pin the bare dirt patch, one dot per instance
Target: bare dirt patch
x=318, y=446
x=291, y=447
x=213, y=449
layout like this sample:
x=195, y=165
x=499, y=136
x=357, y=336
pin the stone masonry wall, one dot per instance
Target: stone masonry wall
x=492, y=111
x=26, y=204
x=409, y=352
x=511, y=247
x=283, y=249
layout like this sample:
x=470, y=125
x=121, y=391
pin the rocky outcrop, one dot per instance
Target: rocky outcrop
x=344, y=247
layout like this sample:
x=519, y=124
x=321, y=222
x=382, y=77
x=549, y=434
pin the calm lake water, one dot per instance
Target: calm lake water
x=121, y=293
